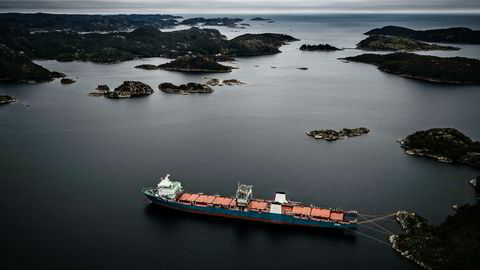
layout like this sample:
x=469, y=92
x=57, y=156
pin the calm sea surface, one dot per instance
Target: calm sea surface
x=72, y=166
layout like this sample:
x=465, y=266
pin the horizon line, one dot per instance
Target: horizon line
x=154, y=11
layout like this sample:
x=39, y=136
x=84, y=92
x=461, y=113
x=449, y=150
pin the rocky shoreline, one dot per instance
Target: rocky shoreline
x=260, y=19
x=190, y=63
x=83, y=23
x=388, y=43
x=460, y=35
x=319, y=47
x=475, y=182
x=451, y=245
x=443, y=144
x=7, y=99
x=407, y=222
x=145, y=41
x=447, y=70
x=332, y=135
x=225, y=21
x=67, y=81
x=185, y=89
x=128, y=89
x=229, y=82
x=16, y=67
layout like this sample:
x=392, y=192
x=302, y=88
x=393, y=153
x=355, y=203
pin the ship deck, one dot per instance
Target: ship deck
x=294, y=209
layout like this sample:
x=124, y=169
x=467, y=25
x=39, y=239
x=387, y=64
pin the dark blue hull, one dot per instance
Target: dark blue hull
x=251, y=215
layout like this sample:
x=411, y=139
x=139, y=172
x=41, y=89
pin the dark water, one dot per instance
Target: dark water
x=72, y=166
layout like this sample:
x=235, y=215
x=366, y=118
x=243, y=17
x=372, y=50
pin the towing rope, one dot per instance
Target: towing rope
x=373, y=229
x=375, y=219
x=372, y=220
x=370, y=237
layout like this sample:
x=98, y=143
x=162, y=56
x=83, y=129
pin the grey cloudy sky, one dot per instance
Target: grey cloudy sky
x=253, y=6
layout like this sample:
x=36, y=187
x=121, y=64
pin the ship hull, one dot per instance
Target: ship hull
x=249, y=215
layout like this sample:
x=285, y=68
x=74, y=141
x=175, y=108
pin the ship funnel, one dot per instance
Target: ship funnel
x=280, y=197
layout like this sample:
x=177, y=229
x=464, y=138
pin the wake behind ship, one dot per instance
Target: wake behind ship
x=170, y=194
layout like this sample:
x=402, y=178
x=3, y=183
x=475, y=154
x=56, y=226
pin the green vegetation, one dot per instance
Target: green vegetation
x=455, y=244
x=145, y=41
x=448, y=35
x=444, y=144
x=450, y=70
x=130, y=89
x=256, y=44
x=319, y=47
x=332, y=135
x=16, y=67
x=229, y=22
x=386, y=43
x=185, y=89
x=190, y=63
x=84, y=23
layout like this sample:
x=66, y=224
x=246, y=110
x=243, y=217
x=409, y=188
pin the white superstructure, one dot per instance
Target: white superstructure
x=281, y=197
x=168, y=189
x=244, y=194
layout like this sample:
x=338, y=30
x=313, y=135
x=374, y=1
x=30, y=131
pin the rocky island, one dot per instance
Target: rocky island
x=130, y=89
x=7, y=99
x=16, y=67
x=67, y=81
x=448, y=35
x=101, y=90
x=185, y=89
x=332, y=135
x=388, y=43
x=319, y=47
x=225, y=21
x=190, y=63
x=256, y=44
x=145, y=41
x=448, y=70
x=103, y=87
x=229, y=82
x=443, y=144
x=454, y=244
x=260, y=19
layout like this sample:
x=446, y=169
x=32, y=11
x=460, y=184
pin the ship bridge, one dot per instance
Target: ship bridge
x=244, y=194
x=168, y=189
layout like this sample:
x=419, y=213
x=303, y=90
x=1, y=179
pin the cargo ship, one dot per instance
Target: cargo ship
x=171, y=194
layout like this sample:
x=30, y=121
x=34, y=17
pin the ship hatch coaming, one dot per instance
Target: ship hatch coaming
x=279, y=210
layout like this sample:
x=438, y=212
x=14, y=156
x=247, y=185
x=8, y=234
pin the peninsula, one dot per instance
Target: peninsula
x=454, y=244
x=145, y=41
x=447, y=70
x=16, y=67
x=446, y=35
x=443, y=144
x=387, y=43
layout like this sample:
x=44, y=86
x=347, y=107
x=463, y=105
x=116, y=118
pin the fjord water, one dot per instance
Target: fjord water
x=72, y=166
